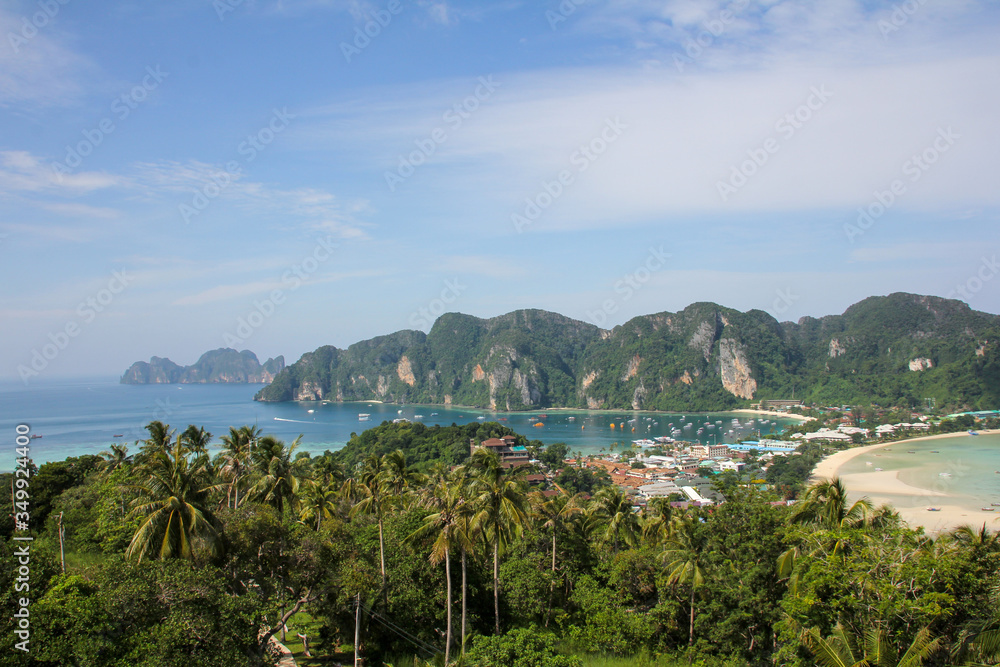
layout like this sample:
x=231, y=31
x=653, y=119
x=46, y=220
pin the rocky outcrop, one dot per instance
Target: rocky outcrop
x=734, y=369
x=309, y=391
x=633, y=368
x=704, y=339
x=921, y=364
x=405, y=371
x=223, y=366
x=836, y=349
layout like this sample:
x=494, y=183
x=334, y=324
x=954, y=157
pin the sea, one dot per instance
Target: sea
x=965, y=468
x=87, y=415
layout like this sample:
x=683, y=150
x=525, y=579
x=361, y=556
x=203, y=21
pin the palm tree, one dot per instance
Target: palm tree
x=399, y=478
x=196, y=439
x=318, y=500
x=842, y=650
x=656, y=525
x=159, y=440
x=554, y=514
x=500, y=510
x=613, y=510
x=173, y=500
x=685, y=548
x=235, y=456
x=375, y=500
x=449, y=531
x=277, y=474
x=114, y=458
x=825, y=504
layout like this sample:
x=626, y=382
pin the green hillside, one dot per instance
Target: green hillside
x=893, y=350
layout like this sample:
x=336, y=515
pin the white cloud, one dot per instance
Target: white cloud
x=683, y=137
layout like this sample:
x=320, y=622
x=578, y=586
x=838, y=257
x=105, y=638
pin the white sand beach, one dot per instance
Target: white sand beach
x=772, y=413
x=912, y=503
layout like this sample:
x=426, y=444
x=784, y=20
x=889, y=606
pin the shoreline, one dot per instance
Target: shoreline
x=885, y=488
x=775, y=413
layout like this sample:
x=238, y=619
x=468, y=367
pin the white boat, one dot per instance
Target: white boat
x=363, y=414
x=944, y=474
x=418, y=416
x=481, y=418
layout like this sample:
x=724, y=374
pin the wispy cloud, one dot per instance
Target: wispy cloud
x=21, y=171
x=40, y=71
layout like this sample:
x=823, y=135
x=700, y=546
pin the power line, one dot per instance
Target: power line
x=392, y=627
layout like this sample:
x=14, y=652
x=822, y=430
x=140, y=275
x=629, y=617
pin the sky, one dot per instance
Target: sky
x=281, y=175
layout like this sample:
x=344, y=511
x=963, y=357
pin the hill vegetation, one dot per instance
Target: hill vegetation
x=895, y=350
x=175, y=558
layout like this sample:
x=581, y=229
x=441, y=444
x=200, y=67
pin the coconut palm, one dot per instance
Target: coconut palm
x=159, y=440
x=617, y=522
x=375, y=500
x=683, y=553
x=234, y=458
x=500, y=503
x=656, y=520
x=825, y=504
x=196, y=439
x=318, y=500
x=448, y=528
x=115, y=457
x=399, y=478
x=843, y=650
x=277, y=473
x=555, y=513
x=173, y=502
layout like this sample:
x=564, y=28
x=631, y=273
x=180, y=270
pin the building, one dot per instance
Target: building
x=710, y=451
x=510, y=453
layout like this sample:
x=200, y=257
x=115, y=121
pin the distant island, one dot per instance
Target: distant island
x=224, y=365
x=896, y=350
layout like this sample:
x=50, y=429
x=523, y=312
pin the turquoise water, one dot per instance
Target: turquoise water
x=963, y=467
x=82, y=416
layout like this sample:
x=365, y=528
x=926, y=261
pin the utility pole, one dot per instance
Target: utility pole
x=357, y=627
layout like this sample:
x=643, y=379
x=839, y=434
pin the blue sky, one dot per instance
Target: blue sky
x=265, y=175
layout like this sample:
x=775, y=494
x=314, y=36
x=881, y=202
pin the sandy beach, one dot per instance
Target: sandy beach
x=772, y=413
x=885, y=487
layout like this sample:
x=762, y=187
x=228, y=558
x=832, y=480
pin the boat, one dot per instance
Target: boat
x=868, y=463
x=418, y=416
x=434, y=414
x=572, y=419
x=971, y=432
x=539, y=425
x=933, y=509
x=35, y=436
x=988, y=509
x=118, y=435
x=310, y=411
x=934, y=451
x=911, y=452
x=944, y=474
x=995, y=504
x=363, y=414
x=481, y=418
x=878, y=469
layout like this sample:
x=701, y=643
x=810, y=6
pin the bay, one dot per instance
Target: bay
x=86, y=415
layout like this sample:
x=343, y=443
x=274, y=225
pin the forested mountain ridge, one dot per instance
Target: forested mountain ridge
x=224, y=365
x=897, y=349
